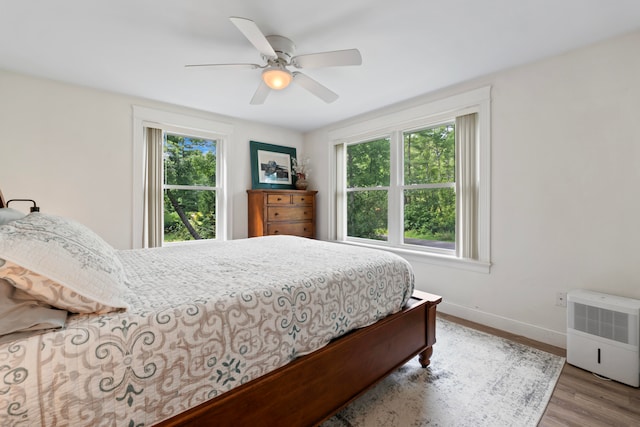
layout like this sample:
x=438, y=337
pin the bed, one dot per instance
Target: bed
x=276, y=330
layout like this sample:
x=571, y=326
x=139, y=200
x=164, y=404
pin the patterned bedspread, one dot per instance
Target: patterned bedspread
x=203, y=319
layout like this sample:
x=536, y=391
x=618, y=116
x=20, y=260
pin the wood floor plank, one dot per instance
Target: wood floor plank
x=580, y=398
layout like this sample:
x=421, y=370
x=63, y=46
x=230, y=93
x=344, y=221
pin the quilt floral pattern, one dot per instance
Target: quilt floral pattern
x=203, y=319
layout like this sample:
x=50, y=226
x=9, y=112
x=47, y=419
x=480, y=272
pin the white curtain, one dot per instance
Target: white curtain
x=153, y=193
x=467, y=185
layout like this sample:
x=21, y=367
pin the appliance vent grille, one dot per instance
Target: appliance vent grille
x=604, y=323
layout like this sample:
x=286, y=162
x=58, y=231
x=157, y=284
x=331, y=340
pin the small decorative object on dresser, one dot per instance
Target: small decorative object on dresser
x=289, y=212
x=301, y=182
x=301, y=169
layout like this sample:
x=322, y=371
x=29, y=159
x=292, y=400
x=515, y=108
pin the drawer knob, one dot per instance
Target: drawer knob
x=302, y=199
x=276, y=214
x=279, y=199
x=276, y=231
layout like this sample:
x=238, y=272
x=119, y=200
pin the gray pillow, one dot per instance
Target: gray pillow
x=8, y=214
x=20, y=312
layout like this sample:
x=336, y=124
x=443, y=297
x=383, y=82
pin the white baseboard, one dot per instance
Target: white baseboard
x=533, y=332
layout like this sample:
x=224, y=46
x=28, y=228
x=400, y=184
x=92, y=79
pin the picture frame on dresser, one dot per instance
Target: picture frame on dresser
x=271, y=166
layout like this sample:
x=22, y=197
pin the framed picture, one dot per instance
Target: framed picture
x=271, y=166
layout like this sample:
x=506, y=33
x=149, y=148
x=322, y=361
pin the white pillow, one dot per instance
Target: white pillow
x=8, y=214
x=62, y=263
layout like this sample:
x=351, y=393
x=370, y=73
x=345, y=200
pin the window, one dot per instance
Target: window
x=420, y=183
x=426, y=187
x=179, y=178
x=190, y=188
x=368, y=189
x=429, y=194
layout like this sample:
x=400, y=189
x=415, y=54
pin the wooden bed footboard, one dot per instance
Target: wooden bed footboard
x=312, y=388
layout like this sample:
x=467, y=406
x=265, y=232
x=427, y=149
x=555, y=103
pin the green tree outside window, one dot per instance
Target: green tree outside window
x=428, y=187
x=189, y=190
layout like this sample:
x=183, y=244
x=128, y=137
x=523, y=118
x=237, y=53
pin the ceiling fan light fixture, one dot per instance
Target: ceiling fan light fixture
x=276, y=78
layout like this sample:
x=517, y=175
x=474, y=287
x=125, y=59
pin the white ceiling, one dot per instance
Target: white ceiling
x=409, y=47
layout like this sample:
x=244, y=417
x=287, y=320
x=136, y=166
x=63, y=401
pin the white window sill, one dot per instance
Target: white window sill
x=443, y=260
x=190, y=242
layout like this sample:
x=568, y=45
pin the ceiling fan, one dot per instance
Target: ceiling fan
x=278, y=52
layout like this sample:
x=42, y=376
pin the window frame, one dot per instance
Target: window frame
x=386, y=188
x=395, y=125
x=182, y=124
x=402, y=186
x=219, y=190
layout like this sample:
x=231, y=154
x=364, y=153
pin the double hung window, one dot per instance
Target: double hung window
x=179, y=178
x=426, y=188
x=368, y=184
x=419, y=185
x=190, y=187
x=429, y=187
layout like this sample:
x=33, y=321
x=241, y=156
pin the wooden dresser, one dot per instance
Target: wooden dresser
x=274, y=212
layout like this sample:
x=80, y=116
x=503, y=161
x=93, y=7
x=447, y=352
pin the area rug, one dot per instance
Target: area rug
x=475, y=379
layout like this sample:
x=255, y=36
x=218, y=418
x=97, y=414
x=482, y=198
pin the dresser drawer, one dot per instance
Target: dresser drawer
x=293, y=213
x=303, y=229
x=279, y=199
x=302, y=200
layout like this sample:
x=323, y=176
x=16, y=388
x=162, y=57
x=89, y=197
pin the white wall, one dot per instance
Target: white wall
x=71, y=149
x=565, y=189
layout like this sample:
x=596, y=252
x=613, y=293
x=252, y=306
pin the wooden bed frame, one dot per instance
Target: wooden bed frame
x=314, y=387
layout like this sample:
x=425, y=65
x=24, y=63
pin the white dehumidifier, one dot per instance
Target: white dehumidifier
x=602, y=335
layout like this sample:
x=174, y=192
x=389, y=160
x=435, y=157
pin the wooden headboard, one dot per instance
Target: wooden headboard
x=2, y=205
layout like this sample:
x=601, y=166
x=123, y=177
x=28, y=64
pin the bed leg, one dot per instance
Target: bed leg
x=425, y=357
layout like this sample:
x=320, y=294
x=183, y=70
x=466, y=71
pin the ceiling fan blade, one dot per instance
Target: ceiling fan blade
x=328, y=59
x=254, y=35
x=314, y=87
x=261, y=94
x=225, y=66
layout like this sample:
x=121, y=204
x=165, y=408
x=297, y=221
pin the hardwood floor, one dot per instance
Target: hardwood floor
x=580, y=398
